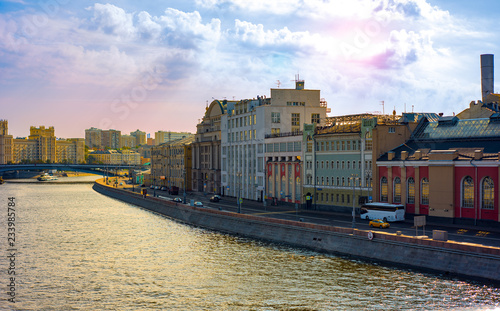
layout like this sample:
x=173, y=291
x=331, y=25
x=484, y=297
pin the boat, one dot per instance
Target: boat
x=46, y=178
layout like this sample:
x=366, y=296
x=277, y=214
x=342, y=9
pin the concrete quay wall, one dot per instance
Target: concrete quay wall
x=445, y=257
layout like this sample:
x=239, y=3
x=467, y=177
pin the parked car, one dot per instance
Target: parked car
x=163, y=188
x=143, y=185
x=151, y=187
x=214, y=198
x=198, y=204
x=178, y=200
x=378, y=223
x=157, y=187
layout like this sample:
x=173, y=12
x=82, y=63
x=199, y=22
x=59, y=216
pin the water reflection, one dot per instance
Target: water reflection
x=84, y=251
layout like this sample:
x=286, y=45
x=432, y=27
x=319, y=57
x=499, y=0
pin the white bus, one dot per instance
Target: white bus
x=385, y=211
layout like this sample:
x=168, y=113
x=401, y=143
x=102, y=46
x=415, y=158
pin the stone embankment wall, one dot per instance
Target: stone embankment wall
x=446, y=257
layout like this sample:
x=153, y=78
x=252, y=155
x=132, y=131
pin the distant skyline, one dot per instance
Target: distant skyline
x=154, y=65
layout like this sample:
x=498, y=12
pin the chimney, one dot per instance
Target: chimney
x=404, y=155
x=486, y=75
x=390, y=155
x=418, y=155
x=478, y=154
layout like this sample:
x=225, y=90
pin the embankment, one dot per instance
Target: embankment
x=461, y=259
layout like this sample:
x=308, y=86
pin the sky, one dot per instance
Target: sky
x=154, y=65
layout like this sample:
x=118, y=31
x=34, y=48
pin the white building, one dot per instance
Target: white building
x=245, y=127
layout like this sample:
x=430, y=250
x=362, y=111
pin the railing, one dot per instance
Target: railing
x=287, y=134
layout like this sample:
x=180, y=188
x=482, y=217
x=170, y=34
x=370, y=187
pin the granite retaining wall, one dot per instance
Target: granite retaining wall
x=447, y=257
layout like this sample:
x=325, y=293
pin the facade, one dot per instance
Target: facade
x=167, y=136
x=93, y=138
x=449, y=168
x=111, y=139
x=115, y=157
x=206, y=148
x=128, y=141
x=244, y=129
x=45, y=141
x=171, y=164
x=338, y=162
x=24, y=151
x=140, y=137
x=6, y=143
x=70, y=150
x=283, y=153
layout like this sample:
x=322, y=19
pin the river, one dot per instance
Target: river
x=76, y=249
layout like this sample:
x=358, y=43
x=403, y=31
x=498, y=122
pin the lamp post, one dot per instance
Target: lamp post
x=353, y=178
x=238, y=176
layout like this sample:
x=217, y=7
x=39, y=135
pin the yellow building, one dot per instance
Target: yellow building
x=171, y=164
x=115, y=157
x=6, y=143
x=128, y=141
x=45, y=143
x=70, y=150
x=93, y=137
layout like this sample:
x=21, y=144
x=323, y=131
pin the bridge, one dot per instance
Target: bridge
x=99, y=169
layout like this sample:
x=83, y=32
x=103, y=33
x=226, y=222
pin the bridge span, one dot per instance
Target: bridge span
x=98, y=169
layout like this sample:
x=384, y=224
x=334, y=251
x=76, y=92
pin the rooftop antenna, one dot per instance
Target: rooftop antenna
x=383, y=107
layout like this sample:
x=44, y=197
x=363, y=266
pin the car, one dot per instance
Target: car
x=151, y=187
x=378, y=223
x=157, y=187
x=143, y=185
x=215, y=198
x=178, y=200
x=198, y=204
x=163, y=188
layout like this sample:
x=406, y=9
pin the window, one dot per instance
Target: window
x=315, y=118
x=327, y=180
x=424, y=188
x=275, y=117
x=487, y=193
x=397, y=190
x=410, y=187
x=468, y=192
x=383, y=189
x=295, y=119
x=392, y=129
x=275, y=130
x=322, y=164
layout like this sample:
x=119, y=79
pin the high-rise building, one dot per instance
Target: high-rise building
x=6, y=143
x=45, y=143
x=128, y=141
x=140, y=137
x=93, y=138
x=111, y=139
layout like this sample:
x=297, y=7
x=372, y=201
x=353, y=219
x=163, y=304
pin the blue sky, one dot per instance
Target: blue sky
x=153, y=65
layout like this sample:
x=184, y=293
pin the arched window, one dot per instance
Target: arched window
x=424, y=188
x=327, y=180
x=487, y=193
x=383, y=189
x=397, y=190
x=468, y=192
x=410, y=188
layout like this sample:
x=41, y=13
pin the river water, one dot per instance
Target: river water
x=76, y=249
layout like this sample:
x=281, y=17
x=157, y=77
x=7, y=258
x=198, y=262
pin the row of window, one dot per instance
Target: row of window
x=341, y=181
x=242, y=136
x=487, y=191
x=410, y=188
x=339, y=165
x=243, y=121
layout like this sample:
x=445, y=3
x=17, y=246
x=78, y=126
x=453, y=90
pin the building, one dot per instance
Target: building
x=338, y=162
x=71, y=151
x=45, y=141
x=171, y=164
x=128, y=141
x=6, y=143
x=111, y=139
x=206, y=148
x=167, y=136
x=93, y=138
x=449, y=169
x=115, y=157
x=245, y=127
x=140, y=137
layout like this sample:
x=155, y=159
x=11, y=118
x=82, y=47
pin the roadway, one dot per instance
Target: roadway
x=458, y=233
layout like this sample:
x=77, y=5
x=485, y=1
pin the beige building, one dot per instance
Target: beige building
x=207, y=149
x=115, y=157
x=111, y=139
x=171, y=164
x=93, y=137
x=45, y=143
x=6, y=143
x=167, y=136
x=128, y=141
x=70, y=150
x=140, y=137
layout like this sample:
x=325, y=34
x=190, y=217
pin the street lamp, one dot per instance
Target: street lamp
x=353, y=178
x=238, y=176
